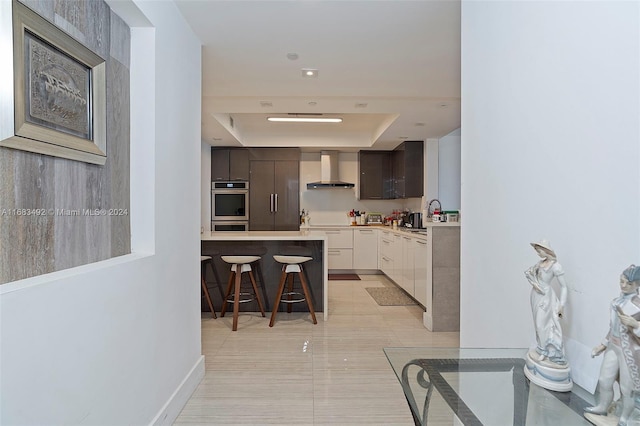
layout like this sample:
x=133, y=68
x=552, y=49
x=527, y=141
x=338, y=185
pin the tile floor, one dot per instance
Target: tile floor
x=297, y=373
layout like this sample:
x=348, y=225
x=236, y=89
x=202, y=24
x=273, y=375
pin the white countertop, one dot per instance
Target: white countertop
x=303, y=235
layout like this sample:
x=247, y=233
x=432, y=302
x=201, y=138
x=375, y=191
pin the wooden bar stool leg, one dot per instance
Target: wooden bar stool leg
x=307, y=295
x=236, y=298
x=217, y=278
x=258, y=268
x=255, y=290
x=227, y=293
x=206, y=295
x=274, y=311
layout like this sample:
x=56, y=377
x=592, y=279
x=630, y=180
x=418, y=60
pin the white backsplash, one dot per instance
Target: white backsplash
x=330, y=206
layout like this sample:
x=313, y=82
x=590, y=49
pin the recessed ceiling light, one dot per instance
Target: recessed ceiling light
x=292, y=56
x=420, y=124
x=309, y=72
x=305, y=119
x=443, y=105
x=266, y=104
x=403, y=137
x=312, y=103
x=361, y=105
x=216, y=139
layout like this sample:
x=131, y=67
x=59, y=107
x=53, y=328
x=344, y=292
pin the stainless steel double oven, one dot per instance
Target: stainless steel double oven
x=230, y=206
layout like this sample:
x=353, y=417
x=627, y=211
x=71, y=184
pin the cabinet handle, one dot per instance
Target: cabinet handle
x=271, y=203
x=333, y=252
x=331, y=232
x=407, y=238
x=422, y=243
x=276, y=203
x=365, y=231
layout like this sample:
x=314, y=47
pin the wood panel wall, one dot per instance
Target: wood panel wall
x=32, y=245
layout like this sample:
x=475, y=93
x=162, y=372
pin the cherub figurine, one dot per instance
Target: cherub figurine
x=621, y=348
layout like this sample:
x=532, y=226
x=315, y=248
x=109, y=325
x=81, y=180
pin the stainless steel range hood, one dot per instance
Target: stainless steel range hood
x=329, y=173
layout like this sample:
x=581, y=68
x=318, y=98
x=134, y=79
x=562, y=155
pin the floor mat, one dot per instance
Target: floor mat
x=351, y=277
x=390, y=296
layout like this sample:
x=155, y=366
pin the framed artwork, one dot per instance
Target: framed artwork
x=59, y=89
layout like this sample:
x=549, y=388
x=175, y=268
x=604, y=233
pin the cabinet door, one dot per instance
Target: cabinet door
x=219, y=164
x=340, y=258
x=375, y=175
x=398, y=173
x=365, y=249
x=413, y=169
x=239, y=164
x=407, y=272
x=287, y=191
x=261, y=192
x=408, y=170
x=420, y=277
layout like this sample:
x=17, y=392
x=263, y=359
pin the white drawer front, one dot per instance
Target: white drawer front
x=340, y=258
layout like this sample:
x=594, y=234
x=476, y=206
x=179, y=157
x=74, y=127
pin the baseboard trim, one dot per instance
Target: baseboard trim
x=171, y=409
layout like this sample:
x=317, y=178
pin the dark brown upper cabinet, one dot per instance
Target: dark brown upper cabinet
x=375, y=181
x=385, y=175
x=229, y=164
x=408, y=169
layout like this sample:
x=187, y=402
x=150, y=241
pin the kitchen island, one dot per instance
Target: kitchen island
x=267, y=244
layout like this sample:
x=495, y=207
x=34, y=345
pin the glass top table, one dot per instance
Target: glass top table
x=453, y=386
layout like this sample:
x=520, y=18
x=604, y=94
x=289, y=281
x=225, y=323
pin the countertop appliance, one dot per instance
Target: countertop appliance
x=229, y=206
x=415, y=219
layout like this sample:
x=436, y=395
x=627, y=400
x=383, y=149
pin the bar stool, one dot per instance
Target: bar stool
x=239, y=265
x=259, y=251
x=203, y=264
x=210, y=261
x=290, y=266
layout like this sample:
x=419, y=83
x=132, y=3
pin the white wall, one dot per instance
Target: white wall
x=112, y=342
x=449, y=170
x=550, y=142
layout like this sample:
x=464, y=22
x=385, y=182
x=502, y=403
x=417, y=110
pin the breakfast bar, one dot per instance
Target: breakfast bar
x=268, y=244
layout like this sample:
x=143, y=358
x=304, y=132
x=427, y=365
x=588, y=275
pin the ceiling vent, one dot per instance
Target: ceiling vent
x=329, y=177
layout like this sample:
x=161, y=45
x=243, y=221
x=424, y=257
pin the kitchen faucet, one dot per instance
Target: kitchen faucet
x=429, y=211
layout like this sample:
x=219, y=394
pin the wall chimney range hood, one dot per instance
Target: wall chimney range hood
x=329, y=173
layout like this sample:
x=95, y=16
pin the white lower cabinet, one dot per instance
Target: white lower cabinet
x=421, y=254
x=365, y=249
x=386, y=253
x=340, y=258
x=339, y=248
x=406, y=272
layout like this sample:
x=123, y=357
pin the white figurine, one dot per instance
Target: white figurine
x=621, y=350
x=546, y=365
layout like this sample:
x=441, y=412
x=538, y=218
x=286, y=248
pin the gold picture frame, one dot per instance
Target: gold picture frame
x=59, y=89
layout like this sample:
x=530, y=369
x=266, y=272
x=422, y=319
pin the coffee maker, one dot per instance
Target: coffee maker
x=415, y=219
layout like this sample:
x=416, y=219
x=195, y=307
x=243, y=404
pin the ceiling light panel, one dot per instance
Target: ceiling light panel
x=305, y=119
x=309, y=73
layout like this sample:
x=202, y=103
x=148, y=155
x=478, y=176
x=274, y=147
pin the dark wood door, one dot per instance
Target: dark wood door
x=374, y=180
x=239, y=164
x=261, y=193
x=219, y=164
x=287, y=190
